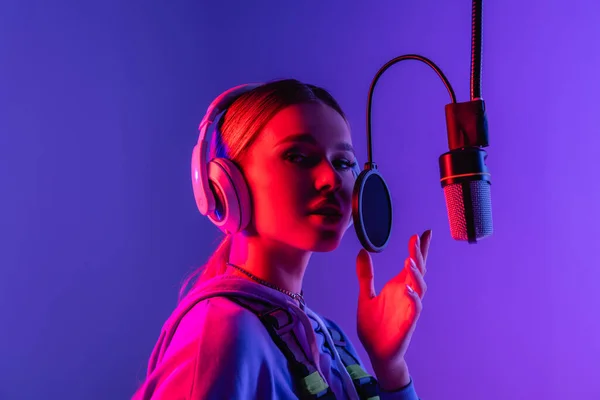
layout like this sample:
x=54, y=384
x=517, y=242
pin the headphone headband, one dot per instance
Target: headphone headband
x=220, y=104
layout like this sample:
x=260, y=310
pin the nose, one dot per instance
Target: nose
x=327, y=178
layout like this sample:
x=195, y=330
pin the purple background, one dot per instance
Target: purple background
x=99, y=104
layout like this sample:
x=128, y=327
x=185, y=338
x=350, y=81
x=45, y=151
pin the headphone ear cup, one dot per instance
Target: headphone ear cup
x=200, y=195
x=232, y=197
x=219, y=212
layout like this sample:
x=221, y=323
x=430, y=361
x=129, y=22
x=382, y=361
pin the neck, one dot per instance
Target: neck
x=274, y=262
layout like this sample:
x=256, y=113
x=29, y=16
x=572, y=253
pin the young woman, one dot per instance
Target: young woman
x=280, y=186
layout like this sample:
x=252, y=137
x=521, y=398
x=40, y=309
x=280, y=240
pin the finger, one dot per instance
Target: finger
x=416, y=279
x=415, y=307
x=425, y=242
x=365, y=274
x=414, y=252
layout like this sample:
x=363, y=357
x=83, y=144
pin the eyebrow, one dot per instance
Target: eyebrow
x=308, y=138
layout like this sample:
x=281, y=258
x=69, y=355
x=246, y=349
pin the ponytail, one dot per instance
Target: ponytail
x=215, y=266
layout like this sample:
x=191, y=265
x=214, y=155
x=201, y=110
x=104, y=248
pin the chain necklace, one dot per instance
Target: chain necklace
x=295, y=296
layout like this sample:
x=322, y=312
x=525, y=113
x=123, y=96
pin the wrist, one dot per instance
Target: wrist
x=392, y=376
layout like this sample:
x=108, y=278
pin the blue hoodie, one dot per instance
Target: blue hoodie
x=217, y=349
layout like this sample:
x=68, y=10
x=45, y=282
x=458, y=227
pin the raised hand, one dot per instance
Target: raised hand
x=386, y=321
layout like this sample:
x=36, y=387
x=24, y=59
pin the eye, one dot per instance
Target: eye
x=296, y=158
x=344, y=164
x=311, y=160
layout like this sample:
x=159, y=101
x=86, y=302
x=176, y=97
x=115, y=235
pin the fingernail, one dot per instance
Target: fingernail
x=413, y=264
x=409, y=288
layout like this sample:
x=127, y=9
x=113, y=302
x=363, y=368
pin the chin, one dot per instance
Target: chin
x=327, y=236
x=326, y=241
x=317, y=236
x=325, y=246
x=322, y=241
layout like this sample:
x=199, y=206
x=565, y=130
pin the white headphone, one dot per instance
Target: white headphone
x=220, y=190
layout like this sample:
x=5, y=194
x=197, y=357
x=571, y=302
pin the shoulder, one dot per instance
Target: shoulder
x=227, y=348
x=217, y=325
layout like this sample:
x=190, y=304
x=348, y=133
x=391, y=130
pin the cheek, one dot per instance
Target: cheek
x=278, y=198
x=348, y=188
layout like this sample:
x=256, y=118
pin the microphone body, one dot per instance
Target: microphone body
x=464, y=176
x=466, y=183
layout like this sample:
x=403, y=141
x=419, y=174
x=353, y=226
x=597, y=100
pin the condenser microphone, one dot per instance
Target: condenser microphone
x=464, y=175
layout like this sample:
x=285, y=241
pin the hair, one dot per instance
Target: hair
x=237, y=130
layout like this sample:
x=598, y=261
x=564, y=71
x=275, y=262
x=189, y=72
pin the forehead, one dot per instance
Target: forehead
x=319, y=120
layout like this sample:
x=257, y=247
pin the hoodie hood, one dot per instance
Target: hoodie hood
x=220, y=286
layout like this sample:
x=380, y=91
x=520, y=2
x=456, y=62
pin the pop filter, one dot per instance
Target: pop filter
x=372, y=210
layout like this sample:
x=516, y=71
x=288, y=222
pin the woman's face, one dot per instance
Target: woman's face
x=299, y=171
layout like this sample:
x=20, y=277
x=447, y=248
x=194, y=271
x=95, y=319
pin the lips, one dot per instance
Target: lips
x=328, y=211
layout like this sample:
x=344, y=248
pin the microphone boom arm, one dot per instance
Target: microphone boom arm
x=384, y=68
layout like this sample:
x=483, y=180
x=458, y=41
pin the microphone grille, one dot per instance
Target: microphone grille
x=481, y=206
